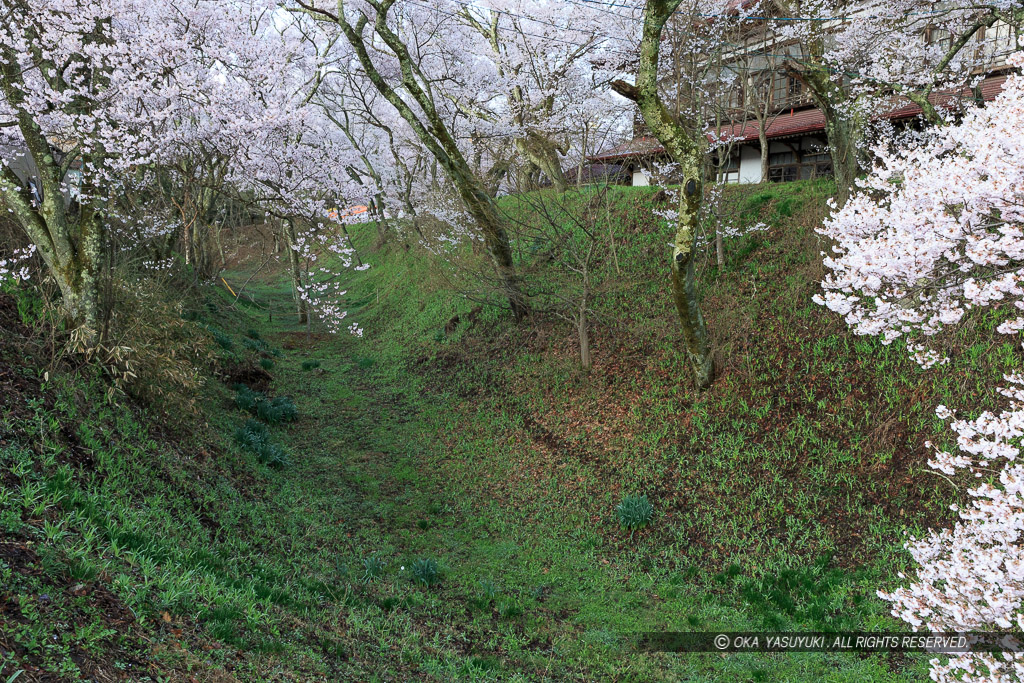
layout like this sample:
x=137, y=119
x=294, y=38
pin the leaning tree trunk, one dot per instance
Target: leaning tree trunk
x=433, y=132
x=481, y=206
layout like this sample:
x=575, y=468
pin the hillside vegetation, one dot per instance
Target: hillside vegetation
x=436, y=500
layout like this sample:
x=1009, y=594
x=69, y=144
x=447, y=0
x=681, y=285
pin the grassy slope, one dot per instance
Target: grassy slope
x=781, y=494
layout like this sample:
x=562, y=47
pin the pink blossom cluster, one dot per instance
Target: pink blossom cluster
x=971, y=578
x=936, y=228
x=935, y=231
x=15, y=268
x=320, y=288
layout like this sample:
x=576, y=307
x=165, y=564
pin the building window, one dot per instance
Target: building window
x=997, y=42
x=940, y=37
x=788, y=91
x=784, y=167
x=729, y=172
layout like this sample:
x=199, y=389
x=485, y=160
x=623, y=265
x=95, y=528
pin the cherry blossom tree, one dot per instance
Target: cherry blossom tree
x=917, y=50
x=935, y=231
x=544, y=55
x=857, y=60
x=401, y=52
x=205, y=93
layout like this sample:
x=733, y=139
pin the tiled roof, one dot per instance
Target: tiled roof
x=794, y=123
x=595, y=173
x=637, y=147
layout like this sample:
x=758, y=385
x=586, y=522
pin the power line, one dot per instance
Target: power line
x=594, y=5
x=525, y=33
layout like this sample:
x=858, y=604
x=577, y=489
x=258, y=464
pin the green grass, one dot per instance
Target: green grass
x=448, y=511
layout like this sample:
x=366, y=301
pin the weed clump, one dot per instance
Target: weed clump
x=257, y=345
x=223, y=341
x=254, y=437
x=246, y=399
x=270, y=410
x=373, y=568
x=308, y=365
x=267, y=363
x=634, y=512
x=425, y=571
x=510, y=609
x=277, y=410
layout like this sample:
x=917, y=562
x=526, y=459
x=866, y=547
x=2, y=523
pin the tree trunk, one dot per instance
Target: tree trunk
x=78, y=275
x=584, y=335
x=844, y=137
x=543, y=154
x=218, y=229
x=684, y=290
x=844, y=126
x=689, y=152
x=295, y=270
x=762, y=138
x=481, y=206
x=433, y=132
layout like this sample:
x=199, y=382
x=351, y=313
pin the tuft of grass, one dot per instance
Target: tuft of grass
x=277, y=410
x=373, y=568
x=254, y=436
x=634, y=512
x=223, y=340
x=308, y=365
x=257, y=345
x=246, y=399
x=270, y=410
x=426, y=572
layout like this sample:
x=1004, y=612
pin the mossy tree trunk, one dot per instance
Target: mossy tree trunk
x=544, y=154
x=71, y=246
x=689, y=150
x=844, y=124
